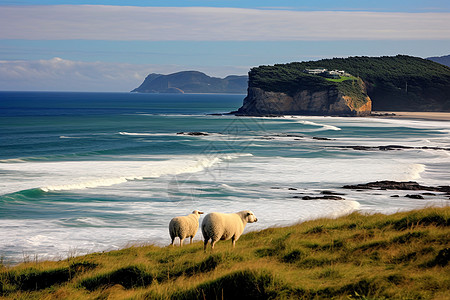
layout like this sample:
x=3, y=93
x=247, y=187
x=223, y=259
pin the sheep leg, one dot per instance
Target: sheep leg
x=205, y=243
x=233, y=242
x=213, y=242
x=171, y=244
x=181, y=242
x=191, y=240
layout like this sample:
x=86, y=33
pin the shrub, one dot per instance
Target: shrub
x=293, y=256
x=441, y=259
x=237, y=285
x=128, y=277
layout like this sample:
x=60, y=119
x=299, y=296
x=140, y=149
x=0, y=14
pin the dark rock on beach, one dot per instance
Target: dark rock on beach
x=361, y=148
x=327, y=197
x=415, y=196
x=321, y=138
x=429, y=194
x=390, y=148
x=288, y=135
x=375, y=114
x=398, y=185
x=331, y=193
x=193, y=133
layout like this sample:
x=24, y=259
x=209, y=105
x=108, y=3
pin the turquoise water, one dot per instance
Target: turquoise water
x=85, y=172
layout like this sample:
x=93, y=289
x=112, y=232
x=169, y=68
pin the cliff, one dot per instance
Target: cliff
x=401, y=83
x=304, y=102
x=192, y=82
x=310, y=95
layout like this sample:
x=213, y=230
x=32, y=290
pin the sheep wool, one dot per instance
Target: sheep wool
x=219, y=226
x=184, y=226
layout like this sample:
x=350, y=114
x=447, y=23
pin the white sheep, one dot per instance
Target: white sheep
x=219, y=226
x=185, y=226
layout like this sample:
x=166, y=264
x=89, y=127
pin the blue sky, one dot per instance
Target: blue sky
x=365, y=5
x=106, y=46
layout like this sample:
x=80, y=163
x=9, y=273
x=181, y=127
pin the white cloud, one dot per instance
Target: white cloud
x=59, y=74
x=97, y=22
x=65, y=75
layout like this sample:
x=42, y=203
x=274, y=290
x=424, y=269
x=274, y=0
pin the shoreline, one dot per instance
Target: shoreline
x=419, y=115
x=416, y=115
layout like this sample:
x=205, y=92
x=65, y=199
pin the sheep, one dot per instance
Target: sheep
x=219, y=226
x=185, y=226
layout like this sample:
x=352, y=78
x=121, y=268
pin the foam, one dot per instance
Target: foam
x=323, y=126
x=88, y=184
x=410, y=123
x=12, y=160
x=174, y=115
x=143, y=134
x=310, y=172
x=76, y=175
x=300, y=120
x=71, y=137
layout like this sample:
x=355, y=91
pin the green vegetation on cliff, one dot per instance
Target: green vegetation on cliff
x=400, y=256
x=393, y=82
x=290, y=78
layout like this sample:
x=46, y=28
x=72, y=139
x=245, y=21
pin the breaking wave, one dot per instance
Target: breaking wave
x=90, y=174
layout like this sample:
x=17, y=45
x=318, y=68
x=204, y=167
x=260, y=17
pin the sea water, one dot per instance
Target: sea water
x=86, y=172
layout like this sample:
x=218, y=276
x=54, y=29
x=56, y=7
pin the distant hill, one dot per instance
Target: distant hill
x=192, y=82
x=393, y=83
x=443, y=60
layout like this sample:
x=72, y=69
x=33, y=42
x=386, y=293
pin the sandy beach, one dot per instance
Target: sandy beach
x=420, y=115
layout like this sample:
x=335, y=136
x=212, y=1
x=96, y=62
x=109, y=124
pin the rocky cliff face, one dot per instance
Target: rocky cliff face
x=304, y=102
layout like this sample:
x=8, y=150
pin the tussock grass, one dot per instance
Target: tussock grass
x=399, y=256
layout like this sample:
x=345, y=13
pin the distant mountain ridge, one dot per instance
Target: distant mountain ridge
x=443, y=60
x=192, y=82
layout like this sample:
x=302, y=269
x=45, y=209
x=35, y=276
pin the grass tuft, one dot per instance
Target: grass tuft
x=408, y=237
x=251, y=284
x=441, y=259
x=129, y=277
x=293, y=256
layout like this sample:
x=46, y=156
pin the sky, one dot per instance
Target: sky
x=98, y=46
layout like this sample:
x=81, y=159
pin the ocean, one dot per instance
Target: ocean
x=88, y=172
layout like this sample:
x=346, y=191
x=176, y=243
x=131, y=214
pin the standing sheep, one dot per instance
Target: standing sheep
x=185, y=226
x=219, y=226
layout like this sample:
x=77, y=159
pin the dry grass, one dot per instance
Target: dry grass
x=400, y=256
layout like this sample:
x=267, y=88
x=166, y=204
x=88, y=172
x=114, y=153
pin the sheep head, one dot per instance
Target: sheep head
x=250, y=217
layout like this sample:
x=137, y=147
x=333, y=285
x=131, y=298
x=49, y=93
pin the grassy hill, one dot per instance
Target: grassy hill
x=400, y=256
x=393, y=82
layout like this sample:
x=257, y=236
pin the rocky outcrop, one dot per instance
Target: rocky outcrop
x=304, y=102
x=390, y=147
x=398, y=185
